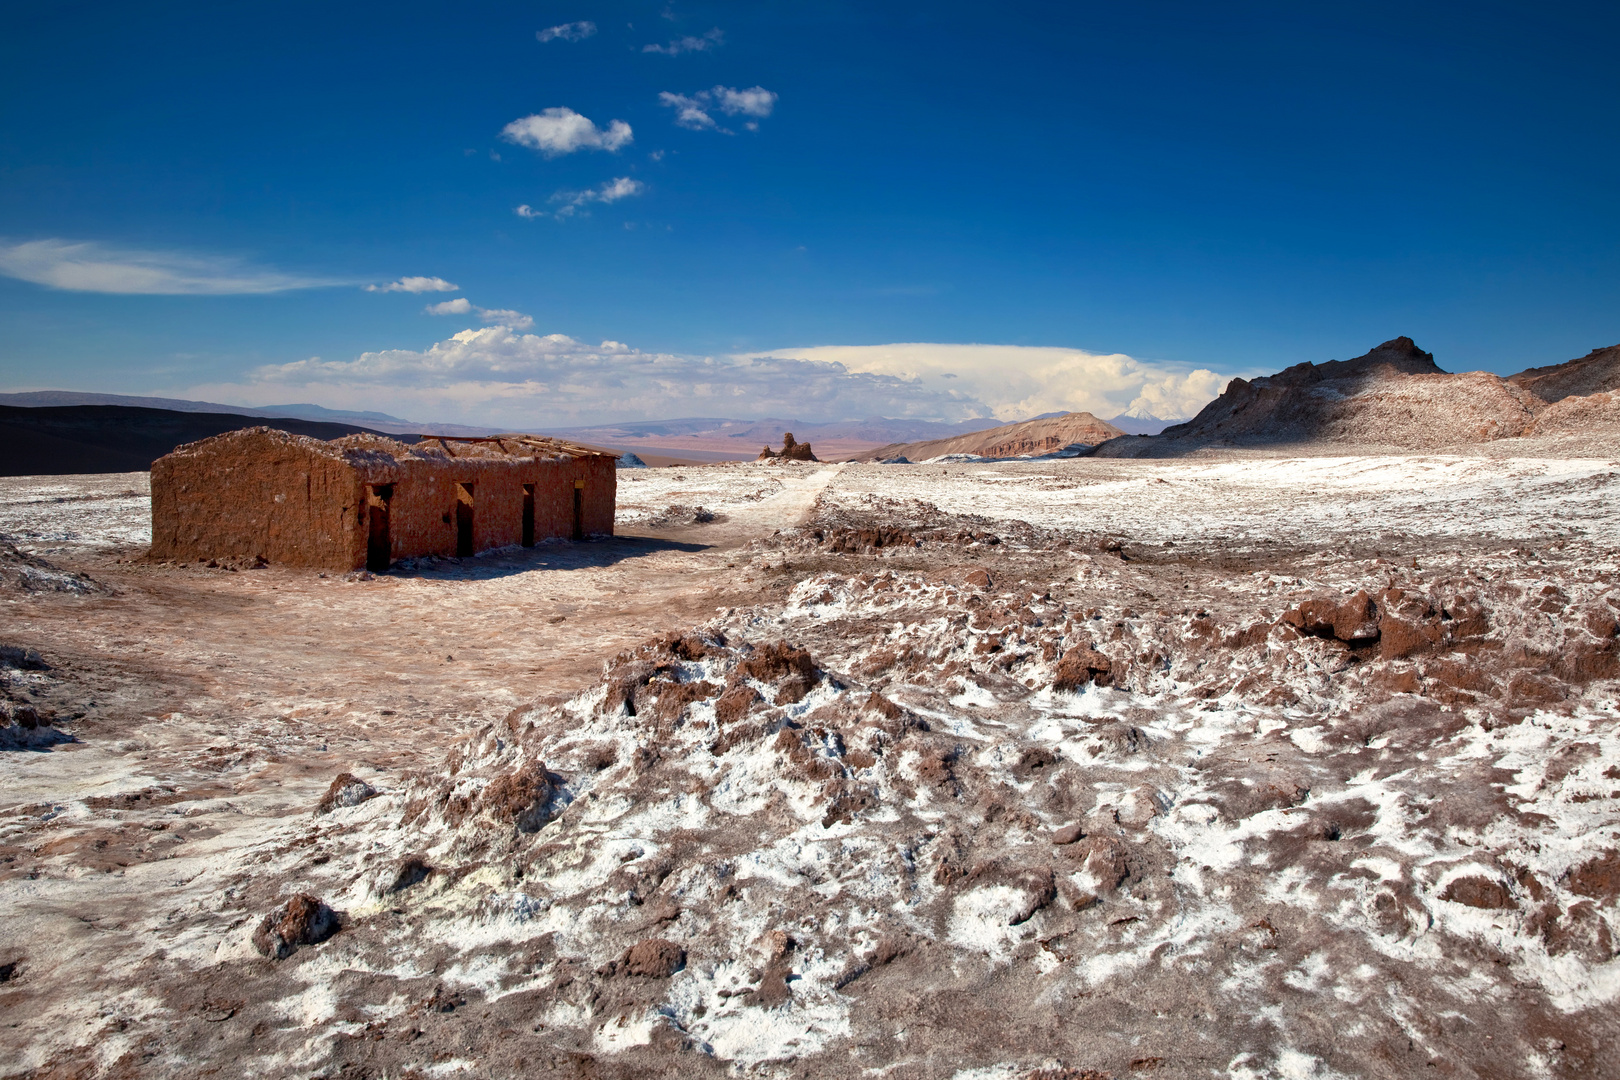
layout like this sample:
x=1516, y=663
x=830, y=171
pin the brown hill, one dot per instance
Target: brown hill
x=1025, y=439
x=1396, y=397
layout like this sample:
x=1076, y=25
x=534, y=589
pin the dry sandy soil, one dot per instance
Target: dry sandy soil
x=1239, y=766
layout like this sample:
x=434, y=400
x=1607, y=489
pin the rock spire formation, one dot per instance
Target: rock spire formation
x=792, y=450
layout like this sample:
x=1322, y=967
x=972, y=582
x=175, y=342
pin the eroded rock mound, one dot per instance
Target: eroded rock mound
x=346, y=789
x=22, y=572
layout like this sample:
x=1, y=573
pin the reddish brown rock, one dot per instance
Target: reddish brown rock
x=302, y=920
x=1107, y=861
x=1352, y=619
x=1068, y=834
x=1080, y=666
x=1598, y=877
x=1479, y=892
x=776, y=660
x=1407, y=624
x=1581, y=931
x=673, y=698
x=522, y=798
x=655, y=958
x=734, y=704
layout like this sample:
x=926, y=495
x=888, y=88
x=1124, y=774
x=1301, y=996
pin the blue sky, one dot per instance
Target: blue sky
x=1121, y=204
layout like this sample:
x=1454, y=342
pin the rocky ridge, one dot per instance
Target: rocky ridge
x=1396, y=397
x=1027, y=439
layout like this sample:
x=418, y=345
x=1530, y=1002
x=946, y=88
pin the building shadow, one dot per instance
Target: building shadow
x=569, y=555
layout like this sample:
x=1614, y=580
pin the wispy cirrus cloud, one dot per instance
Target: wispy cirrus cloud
x=711, y=40
x=415, y=285
x=696, y=111
x=574, y=31
x=559, y=131
x=516, y=320
x=89, y=266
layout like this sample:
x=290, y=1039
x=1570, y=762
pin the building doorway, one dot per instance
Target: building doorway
x=528, y=515
x=379, y=544
x=464, y=520
x=579, y=509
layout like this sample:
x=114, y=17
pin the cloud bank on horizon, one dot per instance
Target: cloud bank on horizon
x=497, y=375
x=1017, y=381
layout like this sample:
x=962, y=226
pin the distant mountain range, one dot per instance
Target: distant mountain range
x=699, y=437
x=376, y=421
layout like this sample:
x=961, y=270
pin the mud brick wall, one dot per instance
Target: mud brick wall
x=301, y=502
x=262, y=497
x=422, y=512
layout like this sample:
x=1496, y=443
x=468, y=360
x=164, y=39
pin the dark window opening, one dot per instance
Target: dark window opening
x=528, y=515
x=379, y=543
x=579, y=509
x=464, y=520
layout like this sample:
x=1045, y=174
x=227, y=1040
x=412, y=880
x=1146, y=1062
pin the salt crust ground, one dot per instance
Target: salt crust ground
x=1298, y=857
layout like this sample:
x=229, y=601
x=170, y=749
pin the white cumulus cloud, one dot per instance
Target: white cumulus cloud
x=696, y=111
x=574, y=31
x=755, y=101
x=569, y=203
x=690, y=112
x=1016, y=381
x=415, y=285
x=712, y=39
x=506, y=317
x=88, y=266
x=563, y=131
x=500, y=316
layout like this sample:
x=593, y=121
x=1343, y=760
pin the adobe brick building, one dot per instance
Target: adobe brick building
x=365, y=500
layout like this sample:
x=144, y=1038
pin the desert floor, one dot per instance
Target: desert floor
x=1236, y=766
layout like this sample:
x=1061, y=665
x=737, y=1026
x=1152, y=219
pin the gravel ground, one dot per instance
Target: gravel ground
x=1247, y=768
